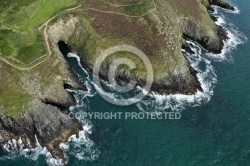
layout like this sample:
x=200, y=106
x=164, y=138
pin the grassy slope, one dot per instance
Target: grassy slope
x=138, y=9
x=17, y=87
x=12, y=98
x=21, y=39
x=19, y=22
x=122, y=2
x=103, y=30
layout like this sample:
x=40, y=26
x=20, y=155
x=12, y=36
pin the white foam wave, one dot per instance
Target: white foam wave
x=15, y=149
x=235, y=36
x=71, y=55
x=220, y=21
x=89, y=83
x=219, y=9
x=207, y=76
x=53, y=161
x=82, y=147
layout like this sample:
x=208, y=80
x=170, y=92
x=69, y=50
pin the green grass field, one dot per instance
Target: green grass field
x=19, y=22
x=139, y=9
x=21, y=19
x=147, y=26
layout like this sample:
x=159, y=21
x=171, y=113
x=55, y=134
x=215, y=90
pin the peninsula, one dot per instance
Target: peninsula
x=34, y=74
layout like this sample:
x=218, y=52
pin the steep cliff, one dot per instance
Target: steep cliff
x=34, y=74
x=156, y=27
x=31, y=102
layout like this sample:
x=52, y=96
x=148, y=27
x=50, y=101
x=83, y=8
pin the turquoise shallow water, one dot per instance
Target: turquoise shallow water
x=215, y=133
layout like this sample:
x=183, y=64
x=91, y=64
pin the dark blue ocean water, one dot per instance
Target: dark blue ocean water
x=215, y=133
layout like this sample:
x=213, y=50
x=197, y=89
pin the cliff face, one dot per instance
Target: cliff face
x=44, y=121
x=31, y=99
x=220, y=3
x=158, y=28
x=31, y=102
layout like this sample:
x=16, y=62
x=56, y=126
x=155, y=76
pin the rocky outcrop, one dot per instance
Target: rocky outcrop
x=45, y=121
x=62, y=29
x=175, y=84
x=94, y=26
x=42, y=117
x=185, y=46
x=213, y=40
x=159, y=33
x=213, y=43
x=40, y=114
x=41, y=121
x=222, y=4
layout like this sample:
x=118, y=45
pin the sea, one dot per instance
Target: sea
x=214, y=128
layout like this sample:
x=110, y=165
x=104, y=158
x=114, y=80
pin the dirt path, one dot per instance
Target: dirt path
x=47, y=44
x=45, y=25
x=116, y=5
x=110, y=12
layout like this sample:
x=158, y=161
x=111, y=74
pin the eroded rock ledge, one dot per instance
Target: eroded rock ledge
x=89, y=33
x=42, y=116
x=96, y=30
x=214, y=45
x=220, y=3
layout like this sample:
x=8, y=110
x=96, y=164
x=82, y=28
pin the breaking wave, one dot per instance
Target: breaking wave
x=18, y=150
x=83, y=148
x=201, y=62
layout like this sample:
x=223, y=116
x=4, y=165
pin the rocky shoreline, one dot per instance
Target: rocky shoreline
x=221, y=4
x=203, y=41
x=44, y=122
x=177, y=84
x=44, y=118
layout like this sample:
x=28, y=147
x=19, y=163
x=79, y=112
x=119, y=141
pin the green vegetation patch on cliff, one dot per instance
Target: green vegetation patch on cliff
x=138, y=9
x=154, y=26
x=19, y=22
x=98, y=31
